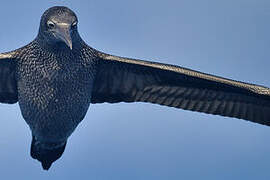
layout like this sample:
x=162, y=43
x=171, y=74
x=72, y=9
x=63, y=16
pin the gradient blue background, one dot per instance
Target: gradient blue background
x=143, y=141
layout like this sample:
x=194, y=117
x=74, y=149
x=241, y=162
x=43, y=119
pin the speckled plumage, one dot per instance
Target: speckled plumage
x=54, y=83
x=56, y=77
x=54, y=86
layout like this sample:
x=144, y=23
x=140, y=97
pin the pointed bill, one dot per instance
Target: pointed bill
x=63, y=33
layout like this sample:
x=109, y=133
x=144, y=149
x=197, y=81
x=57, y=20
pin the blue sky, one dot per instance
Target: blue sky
x=144, y=141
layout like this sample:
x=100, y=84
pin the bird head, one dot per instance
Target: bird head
x=58, y=27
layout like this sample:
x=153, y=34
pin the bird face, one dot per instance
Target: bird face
x=58, y=26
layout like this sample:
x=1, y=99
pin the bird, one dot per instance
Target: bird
x=57, y=76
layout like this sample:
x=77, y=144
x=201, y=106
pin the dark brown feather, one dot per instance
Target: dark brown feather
x=8, y=83
x=129, y=80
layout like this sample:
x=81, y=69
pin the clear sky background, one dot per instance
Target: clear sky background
x=229, y=38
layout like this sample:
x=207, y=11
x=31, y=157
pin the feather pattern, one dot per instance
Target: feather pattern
x=129, y=80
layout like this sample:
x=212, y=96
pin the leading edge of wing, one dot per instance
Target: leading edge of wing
x=257, y=89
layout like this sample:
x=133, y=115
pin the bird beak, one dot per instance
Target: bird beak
x=63, y=33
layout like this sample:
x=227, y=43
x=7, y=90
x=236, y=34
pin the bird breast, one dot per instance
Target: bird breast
x=54, y=97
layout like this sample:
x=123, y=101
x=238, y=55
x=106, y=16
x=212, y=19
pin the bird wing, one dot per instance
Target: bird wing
x=8, y=82
x=128, y=80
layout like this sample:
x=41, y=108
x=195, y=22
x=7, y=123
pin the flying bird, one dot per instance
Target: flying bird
x=57, y=76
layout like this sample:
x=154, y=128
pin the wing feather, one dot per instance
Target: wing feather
x=128, y=80
x=8, y=82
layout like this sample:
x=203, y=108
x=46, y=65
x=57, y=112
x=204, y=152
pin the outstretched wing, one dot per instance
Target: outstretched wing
x=8, y=83
x=128, y=80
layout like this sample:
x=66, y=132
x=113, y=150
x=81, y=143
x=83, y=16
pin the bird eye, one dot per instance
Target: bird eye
x=50, y=24
x=74, y=24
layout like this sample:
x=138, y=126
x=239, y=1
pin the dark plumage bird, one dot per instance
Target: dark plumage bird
x=56, y=77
